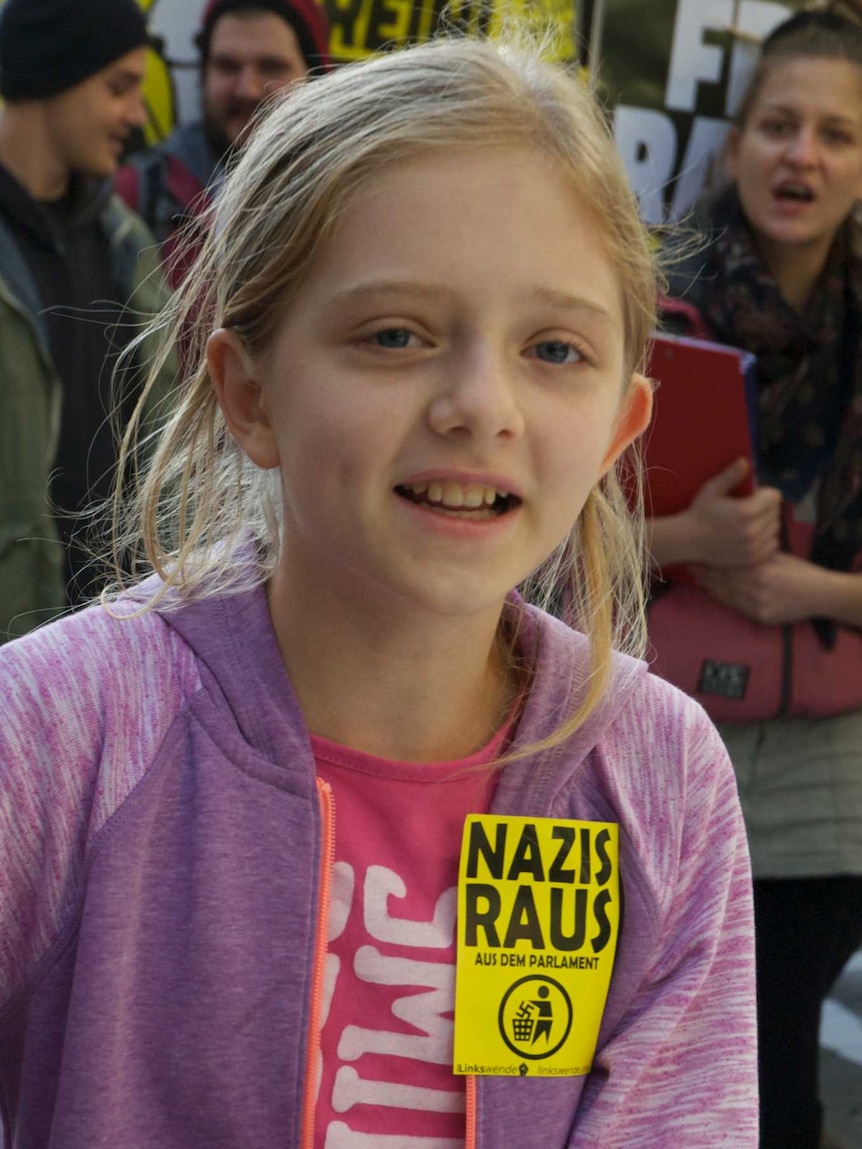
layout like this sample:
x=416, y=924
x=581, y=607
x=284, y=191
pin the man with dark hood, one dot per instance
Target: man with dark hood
x=250, y=49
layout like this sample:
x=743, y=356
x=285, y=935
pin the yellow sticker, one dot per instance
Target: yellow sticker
x=538, y=919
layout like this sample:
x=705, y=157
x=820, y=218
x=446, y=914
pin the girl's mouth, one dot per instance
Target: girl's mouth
x=470, y=500
x=794, y=193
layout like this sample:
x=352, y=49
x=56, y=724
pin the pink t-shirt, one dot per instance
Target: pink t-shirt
x=386, y=1045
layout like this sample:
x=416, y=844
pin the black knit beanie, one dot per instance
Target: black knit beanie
x=48, y=46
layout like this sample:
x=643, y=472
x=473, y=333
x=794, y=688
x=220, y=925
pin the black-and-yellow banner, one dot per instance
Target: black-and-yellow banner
x=363, y=26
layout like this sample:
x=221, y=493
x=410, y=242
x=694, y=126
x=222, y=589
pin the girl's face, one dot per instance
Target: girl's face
x=798, y=160
x=447, y=386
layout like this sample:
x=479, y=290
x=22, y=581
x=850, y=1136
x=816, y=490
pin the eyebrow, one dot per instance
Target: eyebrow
x=257, y=61
x=559, y=300
x=563, y=301
x=128, y=76
x=829, y=117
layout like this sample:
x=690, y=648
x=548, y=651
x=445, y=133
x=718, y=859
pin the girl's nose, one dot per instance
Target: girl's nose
x=137, y=114
x=478, y=398
x=802, y=149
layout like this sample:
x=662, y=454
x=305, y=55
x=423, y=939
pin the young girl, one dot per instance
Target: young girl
x=780, y=606
x=234, y=797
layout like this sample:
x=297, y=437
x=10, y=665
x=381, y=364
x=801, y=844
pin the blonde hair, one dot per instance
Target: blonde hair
x=200, y=498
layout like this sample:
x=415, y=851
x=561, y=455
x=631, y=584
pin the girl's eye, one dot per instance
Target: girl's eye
x=557, y=351
x=394, y=338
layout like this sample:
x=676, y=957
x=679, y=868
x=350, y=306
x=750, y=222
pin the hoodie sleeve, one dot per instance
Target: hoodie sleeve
x=86, y=702
x=680, y=1067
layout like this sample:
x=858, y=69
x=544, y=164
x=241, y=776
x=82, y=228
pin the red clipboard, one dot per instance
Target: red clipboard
x=701, y=420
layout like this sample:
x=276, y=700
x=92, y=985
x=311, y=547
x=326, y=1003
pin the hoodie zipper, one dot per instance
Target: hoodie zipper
x=327, y=861
x=470, y=1106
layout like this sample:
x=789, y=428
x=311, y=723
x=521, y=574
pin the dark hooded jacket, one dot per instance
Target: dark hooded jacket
x=71, y=278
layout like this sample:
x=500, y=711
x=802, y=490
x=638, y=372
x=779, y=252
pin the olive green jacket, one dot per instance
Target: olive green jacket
x=31, y=555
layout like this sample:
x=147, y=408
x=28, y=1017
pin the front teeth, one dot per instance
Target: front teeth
x=473, y=495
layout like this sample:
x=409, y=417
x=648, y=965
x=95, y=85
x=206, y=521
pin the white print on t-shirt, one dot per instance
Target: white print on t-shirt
x=339, y=1136
x=351, y=1089
x=380, y=885
x=422, y=1011
x=341, y=899
x=339, y=911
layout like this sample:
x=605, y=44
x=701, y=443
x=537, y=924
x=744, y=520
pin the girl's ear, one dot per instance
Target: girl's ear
x=240, y=396
x=632, y=419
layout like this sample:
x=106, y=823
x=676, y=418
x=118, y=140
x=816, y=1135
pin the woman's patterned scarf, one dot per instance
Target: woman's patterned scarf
x=809, y=376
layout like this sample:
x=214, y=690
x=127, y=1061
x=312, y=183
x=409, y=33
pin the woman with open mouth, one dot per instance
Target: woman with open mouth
x=778, y=571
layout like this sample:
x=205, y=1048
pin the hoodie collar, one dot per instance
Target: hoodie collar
x=235, y=645
x=560, y=660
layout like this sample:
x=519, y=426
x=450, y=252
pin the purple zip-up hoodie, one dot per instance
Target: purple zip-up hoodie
x=160, y=849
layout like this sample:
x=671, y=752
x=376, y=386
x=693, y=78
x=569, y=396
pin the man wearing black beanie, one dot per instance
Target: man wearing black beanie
x=250, y=50
x=75, y=274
